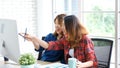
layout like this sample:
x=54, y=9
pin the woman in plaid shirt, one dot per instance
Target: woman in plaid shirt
x=75, y=43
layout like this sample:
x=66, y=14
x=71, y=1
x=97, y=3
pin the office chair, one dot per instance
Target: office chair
x=40, y=53
x=103, y=50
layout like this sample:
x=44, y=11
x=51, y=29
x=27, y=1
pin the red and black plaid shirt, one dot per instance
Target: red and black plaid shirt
x=83, y=52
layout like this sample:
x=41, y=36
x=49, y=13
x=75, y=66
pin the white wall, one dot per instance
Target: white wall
x=44, y=17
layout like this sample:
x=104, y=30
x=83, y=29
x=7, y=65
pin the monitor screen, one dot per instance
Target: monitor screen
x=9, y=44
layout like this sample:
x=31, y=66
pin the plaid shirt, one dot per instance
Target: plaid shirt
x=83, y=52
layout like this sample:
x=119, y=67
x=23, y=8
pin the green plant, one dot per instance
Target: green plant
x=27, y=59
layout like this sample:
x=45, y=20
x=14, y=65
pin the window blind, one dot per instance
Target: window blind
x=24, y=12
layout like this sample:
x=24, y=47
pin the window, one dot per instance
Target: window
x=97, y=15
x=117, y=35
x=24, y=12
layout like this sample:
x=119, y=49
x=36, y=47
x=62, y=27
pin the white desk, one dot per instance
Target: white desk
x=8, y=65
x=14, y=65
x=39, y=64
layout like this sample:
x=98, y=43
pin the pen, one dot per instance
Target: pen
x=21, y=35
x=25, y=33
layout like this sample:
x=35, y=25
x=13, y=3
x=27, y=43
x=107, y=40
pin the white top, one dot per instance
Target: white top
x=71, y=52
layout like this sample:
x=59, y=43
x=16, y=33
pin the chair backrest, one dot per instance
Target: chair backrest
x=43, y=37
x=103, y=50
x=40, y=53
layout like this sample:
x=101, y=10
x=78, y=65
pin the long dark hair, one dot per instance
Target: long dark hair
x=74, y=29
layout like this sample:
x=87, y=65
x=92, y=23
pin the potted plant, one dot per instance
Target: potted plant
x=27, y=60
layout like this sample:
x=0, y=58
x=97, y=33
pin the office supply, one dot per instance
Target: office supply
x=9, y=39
x=55, y=65
x=25, y=33
x=21, y=35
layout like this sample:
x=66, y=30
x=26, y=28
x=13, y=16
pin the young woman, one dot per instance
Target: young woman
x=53, y=55
x=75, y=43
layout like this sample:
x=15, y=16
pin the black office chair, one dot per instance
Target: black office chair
x=40, y=53
x=103, y=50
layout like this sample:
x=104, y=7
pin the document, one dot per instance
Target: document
x=53, y=65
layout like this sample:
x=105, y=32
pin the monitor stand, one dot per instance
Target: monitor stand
x=6, y=59
x=2, y=45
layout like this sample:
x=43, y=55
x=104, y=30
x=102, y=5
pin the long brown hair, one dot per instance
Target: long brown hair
x=60, y=19
x=74, y=29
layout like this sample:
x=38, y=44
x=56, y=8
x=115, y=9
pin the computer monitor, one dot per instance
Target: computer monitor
x=9, y=44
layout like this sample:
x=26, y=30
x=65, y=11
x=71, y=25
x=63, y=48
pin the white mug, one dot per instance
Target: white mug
x=72, y=62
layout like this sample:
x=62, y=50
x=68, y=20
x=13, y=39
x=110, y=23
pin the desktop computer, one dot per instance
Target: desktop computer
x=9, y=44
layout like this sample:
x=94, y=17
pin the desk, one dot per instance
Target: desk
x=10, y=64
x=13, y=65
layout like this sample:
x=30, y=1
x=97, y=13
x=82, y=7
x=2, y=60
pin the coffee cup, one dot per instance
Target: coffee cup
x=72, y=62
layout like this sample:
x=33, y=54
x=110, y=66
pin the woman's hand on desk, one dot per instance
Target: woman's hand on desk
x=79, y=64
x=84, y=64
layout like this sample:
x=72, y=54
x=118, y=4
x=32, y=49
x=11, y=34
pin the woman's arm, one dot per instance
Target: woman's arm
x=84, y=64
x=37, y=42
